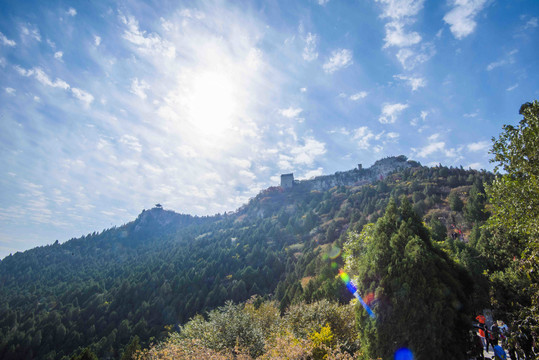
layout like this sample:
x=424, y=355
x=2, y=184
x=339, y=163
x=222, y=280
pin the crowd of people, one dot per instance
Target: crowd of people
x=518, y=344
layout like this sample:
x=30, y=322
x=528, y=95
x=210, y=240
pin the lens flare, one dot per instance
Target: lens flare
x=404, y=354
x=346, y=279
x=334, y=252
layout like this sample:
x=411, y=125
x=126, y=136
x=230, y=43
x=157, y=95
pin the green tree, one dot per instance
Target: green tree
x=514, y=194
x=418, y=293
x=86, y=354
x=455, y=203
x=438, y=230
x=131, y=349
x=474, y=211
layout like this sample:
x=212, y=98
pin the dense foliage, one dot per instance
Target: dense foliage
x=321, y=330
x=514, y=195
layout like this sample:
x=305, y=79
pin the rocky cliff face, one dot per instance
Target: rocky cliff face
x=379, y=169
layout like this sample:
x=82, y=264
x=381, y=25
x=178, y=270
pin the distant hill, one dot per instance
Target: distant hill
x=145, y=277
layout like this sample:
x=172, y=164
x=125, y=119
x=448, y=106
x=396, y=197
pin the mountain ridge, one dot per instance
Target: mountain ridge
x=164, y=267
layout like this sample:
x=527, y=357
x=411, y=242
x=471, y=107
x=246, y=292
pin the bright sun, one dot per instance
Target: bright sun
x=213, y=102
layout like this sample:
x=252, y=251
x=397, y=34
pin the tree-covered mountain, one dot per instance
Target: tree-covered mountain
x=148, y=276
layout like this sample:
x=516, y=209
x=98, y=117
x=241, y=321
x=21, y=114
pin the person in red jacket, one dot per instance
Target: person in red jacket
x=481, y=319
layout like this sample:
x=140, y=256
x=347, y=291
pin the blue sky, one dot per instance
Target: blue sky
x=107, y=108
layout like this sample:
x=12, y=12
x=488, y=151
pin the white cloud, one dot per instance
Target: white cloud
x=508, y=59
x=512, y=87
x=139, y=87
x=339, y=59
x=401, y=14
x=254, y=58
x=397, y=9
x=479, y=146
x=309, y=51
x=435, y=145
x=472, y=114
x=392, y=135
x=414, y=82
x=131, y=142
x=31, y=31
x=71, y=12
x=148, y=44
x=307, y=153
x=58, y=55
x=44, y=79
x=322, y=2
x=97, y=40
x=5, y=41
x=359, y=95
x=10, y=90
x=192, y=14
x=313, y=173
x=461, y=18
x=303, y=89
x=397, y=36
x=83, y=96
x=291, y=112
x=532, y=23
x=475, y=165
x=390, y=112
x=363, y=136
x=409, y=58
x=430, y=148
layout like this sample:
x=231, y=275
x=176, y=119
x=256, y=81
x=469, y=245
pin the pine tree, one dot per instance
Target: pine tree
x=419, y=297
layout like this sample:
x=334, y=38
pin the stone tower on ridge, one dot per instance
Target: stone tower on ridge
x=287, y=181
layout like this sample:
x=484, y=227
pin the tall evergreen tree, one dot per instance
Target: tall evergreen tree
x=418, y=294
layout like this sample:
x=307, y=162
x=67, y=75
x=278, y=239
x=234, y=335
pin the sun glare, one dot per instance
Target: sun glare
x=213, y=102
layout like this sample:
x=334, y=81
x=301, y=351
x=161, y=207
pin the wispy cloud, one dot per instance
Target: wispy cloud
x=339, y=59
x=97, y=40
x=308, y=152
x=313, y=173
x=5, y=41
x=10, y=90
x=390, y=112
x=44, y=79
x=411, y=58
x=309, y=51
x=83, y=96
x=31, y=31
x=148, y=44
x=139, y=88
x=58, y=55
x=71, y=12
x=414, y=82
x=461, y=18
x=363, y=135
x=532, y=23
x=358, y=96
x=512, y=87
x=290, y=112
x=437, y=146
x=508, y=59
x=479, y=146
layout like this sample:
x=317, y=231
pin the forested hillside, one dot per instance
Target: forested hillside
x=148, y=276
